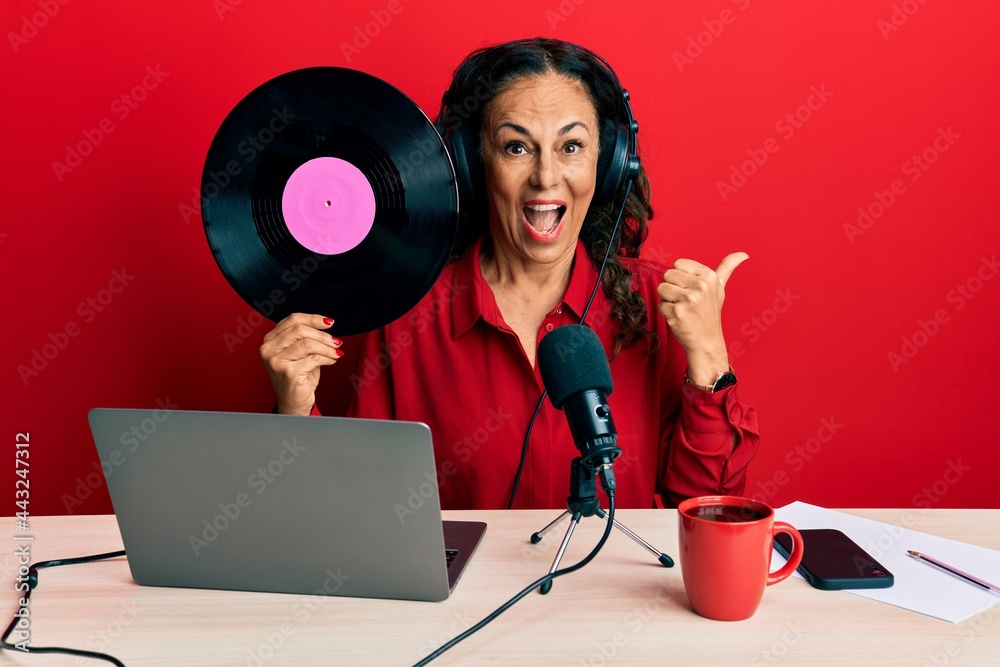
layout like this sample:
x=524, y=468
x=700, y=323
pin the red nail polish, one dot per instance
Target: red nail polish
x=327, y=321
x=336, y=341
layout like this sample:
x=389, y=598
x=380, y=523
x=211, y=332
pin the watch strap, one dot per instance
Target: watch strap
x=722, y=380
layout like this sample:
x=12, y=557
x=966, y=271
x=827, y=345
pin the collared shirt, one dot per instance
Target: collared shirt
x=453, y=363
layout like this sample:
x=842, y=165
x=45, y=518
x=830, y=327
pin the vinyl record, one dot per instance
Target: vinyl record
x=328, y=191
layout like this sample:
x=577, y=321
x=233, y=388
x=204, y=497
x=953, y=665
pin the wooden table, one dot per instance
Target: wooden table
x=623, y=608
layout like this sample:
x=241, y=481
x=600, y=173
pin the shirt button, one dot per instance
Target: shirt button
x=558, y=311
x=549, y=326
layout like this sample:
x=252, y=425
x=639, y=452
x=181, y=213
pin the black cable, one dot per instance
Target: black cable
x=524, y=449
x=607, y=252
x=532, y=586
x=583, y=317
x=32, y=581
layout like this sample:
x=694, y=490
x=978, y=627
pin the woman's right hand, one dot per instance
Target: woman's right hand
x=293, y=353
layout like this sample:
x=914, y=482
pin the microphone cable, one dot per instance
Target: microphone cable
x=583, y=317
x=532, y=586
x=32, y=581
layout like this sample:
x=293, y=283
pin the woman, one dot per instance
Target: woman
x=463, y=360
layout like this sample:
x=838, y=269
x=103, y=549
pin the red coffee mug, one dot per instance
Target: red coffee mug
x=725, y=554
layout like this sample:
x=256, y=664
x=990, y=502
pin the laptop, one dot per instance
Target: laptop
x=281, y=503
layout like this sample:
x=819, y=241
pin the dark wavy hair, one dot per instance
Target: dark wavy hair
x=489, y=71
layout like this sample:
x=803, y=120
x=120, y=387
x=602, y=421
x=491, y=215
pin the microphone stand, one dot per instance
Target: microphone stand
x=582, y=501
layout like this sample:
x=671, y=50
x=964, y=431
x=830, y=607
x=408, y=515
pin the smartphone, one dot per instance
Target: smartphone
x=832, y=561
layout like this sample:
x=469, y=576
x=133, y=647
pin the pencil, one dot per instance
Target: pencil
x=965, y=576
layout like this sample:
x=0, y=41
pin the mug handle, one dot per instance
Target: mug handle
x=794, y=558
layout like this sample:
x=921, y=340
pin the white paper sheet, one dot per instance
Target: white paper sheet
x=918, y=586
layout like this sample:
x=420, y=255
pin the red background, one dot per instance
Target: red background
x=843, y=425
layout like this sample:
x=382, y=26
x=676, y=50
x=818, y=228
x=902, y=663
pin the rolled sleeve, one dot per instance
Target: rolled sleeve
x=710, y=446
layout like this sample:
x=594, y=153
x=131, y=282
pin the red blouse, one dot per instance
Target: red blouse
x=454, y=364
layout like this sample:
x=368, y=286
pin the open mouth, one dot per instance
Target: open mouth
x=544, y=219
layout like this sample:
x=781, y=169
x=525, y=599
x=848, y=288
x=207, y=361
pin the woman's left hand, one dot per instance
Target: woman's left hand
x=692, y=296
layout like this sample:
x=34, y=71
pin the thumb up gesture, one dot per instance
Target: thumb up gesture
x=691, y=301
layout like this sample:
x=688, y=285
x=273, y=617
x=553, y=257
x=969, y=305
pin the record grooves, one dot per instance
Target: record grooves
x=340, y=199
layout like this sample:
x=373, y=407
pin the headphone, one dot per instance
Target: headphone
x=617, y=161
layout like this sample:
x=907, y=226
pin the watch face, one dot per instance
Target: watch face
x=727, y=380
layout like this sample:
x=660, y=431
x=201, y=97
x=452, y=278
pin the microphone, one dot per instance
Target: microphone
x=578, y=379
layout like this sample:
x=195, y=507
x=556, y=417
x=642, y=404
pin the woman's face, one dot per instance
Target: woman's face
x=540, y=148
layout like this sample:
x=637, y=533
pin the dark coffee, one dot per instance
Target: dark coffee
x=727, y=513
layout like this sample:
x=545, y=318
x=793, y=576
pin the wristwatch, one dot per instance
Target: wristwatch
x=722, y=380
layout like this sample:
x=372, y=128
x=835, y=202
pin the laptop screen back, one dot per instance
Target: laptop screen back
x=278, y=503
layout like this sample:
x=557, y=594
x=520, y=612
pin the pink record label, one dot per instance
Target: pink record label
x=328, y=205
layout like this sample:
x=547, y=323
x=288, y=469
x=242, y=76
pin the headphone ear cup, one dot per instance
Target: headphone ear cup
x=468, y=163
x=612, y=163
